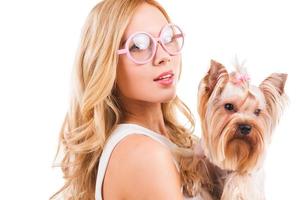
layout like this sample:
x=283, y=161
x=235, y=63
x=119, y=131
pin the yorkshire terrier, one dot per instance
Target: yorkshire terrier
x=237, y=123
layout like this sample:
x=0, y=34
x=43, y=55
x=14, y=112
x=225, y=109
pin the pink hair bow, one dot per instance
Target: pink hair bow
x=241, y=78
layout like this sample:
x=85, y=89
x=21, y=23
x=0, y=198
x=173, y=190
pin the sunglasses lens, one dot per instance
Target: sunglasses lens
x=172, y=38
x=141, y=47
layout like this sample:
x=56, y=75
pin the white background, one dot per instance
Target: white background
x=38, y=40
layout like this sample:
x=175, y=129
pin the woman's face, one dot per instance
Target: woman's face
x=138, y=81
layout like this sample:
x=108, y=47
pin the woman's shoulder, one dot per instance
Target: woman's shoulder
x=140, y=143
x=136, y=149
x=146, y=166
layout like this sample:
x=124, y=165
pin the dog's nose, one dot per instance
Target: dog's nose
x=245, y=129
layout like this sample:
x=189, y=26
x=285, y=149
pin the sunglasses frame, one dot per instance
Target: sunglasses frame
x=155, y=40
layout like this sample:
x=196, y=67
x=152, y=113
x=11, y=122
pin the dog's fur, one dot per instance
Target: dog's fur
x=237, y=123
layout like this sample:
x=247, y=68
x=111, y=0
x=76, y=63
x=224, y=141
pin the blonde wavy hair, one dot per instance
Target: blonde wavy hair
x=95, y=109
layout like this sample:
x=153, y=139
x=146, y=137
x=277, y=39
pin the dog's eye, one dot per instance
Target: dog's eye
x=229, y=106
x=257, y=112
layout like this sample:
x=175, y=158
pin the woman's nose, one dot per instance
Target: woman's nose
x=161, y=56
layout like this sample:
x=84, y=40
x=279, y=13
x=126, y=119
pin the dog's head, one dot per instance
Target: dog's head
x=238, y=118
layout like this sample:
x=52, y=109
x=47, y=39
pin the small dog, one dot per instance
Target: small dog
x=237, y=122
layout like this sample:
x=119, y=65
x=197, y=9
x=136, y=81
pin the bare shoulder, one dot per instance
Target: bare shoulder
x=146, y=169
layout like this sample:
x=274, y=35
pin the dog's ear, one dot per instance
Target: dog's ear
x=216, y=72
x=273, y=90
x=275, y=82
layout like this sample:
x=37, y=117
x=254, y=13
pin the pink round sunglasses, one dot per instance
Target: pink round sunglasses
x=177, y=37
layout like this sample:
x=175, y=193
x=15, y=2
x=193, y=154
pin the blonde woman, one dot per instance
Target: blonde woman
x=122, y=123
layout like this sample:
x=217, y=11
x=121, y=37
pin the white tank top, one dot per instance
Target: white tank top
x=117, y=135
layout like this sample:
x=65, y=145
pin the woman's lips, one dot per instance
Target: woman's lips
x=164, y=75
x=166, y=81
x=165, y=78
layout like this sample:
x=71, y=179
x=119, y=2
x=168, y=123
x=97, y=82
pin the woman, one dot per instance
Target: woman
x=121, y=126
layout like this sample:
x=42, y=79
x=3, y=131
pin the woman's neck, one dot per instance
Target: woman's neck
x=148, y=115
x=143, y=113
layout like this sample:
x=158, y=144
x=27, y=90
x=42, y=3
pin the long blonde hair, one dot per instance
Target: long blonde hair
x=95, y=109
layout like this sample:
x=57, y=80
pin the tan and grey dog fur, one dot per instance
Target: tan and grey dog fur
x=237, y=122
